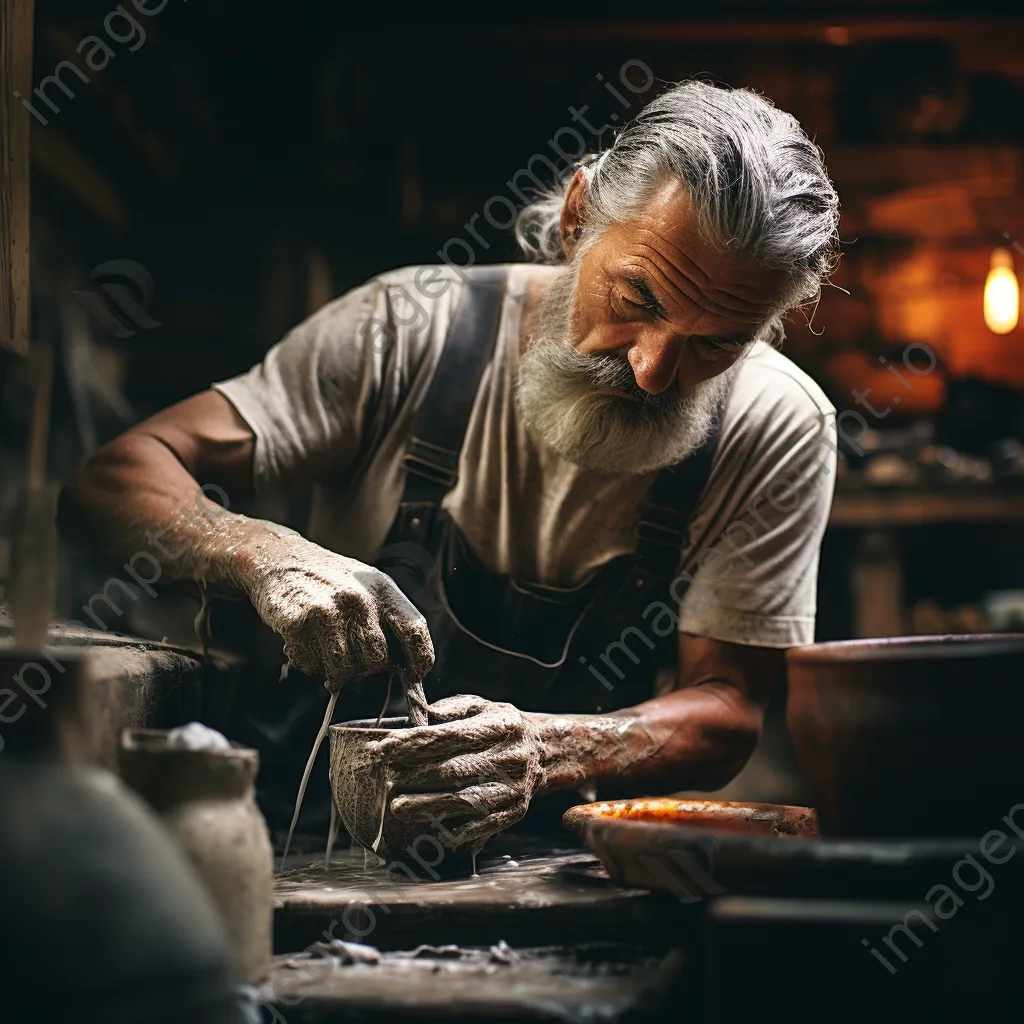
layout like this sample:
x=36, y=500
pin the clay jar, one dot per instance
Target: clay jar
x=361, y=787
x=206, y=800
x=101, y=916
x=911, y=736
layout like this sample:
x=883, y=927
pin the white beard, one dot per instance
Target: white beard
x=559, y=397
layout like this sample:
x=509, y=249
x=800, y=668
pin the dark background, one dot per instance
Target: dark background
x=257, y=160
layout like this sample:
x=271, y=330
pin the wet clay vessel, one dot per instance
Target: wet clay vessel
x=361, y=787
x=911, y=736
x=206, y=800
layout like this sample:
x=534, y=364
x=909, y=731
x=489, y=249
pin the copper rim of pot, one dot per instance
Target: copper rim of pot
x=911, y=648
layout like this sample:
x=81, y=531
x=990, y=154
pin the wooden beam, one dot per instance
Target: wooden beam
x=836, y=30
x=15, y=77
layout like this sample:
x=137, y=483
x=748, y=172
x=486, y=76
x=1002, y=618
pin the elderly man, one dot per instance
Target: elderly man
x=582, y=470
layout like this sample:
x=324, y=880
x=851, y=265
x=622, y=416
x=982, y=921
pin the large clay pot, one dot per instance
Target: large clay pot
x=102, y=917
x=912, y=736
x=206, y=800
x=73, y=699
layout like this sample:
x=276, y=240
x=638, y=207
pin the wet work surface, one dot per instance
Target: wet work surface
x=582, y=983
x=537, y=935
x=525, y=896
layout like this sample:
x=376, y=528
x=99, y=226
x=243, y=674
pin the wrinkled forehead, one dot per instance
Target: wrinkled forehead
x=664, y=243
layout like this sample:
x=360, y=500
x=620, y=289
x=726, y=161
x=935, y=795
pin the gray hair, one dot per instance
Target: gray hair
x=757, y=183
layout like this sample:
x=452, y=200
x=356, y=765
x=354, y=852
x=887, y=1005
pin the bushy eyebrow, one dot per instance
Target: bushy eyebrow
x=651, y=302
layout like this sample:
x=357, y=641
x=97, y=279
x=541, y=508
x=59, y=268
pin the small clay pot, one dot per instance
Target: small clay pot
x=910, y=736
x=362, y=789
x=206, y=800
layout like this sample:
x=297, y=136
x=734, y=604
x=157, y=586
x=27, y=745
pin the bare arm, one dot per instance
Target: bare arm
x=480, y=767
x=141, y=494
x=696, y=737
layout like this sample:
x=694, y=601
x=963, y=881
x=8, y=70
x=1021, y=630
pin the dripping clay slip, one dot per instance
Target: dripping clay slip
x=360, y=786
x=301, y=795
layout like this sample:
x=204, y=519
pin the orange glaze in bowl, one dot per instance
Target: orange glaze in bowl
x=716, y=815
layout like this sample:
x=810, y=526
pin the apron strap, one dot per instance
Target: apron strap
x=432, y=457
x=663, y=534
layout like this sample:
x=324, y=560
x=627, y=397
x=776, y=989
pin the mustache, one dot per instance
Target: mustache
x=615, y=372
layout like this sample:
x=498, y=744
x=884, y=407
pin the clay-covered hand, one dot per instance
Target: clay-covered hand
x=339, y=618
x=472, y=774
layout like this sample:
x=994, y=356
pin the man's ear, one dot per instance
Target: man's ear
x=574, y=212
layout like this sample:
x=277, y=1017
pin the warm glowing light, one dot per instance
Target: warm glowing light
x=1002, y=296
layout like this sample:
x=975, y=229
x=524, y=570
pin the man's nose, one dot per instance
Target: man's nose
x=655, y=360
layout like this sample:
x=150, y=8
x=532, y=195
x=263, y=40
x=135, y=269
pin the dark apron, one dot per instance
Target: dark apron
x=583, y=649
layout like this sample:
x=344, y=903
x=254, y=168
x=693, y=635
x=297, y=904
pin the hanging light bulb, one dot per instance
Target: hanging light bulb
x=1002, y=296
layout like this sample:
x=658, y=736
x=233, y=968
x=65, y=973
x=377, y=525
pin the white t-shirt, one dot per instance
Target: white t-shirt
x=333, y=402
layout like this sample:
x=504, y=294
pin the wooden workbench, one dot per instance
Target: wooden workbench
x=881, y=509
x=880, y=514
x=522, y=896
x=579, y=944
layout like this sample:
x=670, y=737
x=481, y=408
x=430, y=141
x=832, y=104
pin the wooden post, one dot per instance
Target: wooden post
x=15, y=76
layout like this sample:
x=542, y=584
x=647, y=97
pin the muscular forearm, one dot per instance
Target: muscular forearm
x=139, y=502
x=697, y=737
x=136, y=503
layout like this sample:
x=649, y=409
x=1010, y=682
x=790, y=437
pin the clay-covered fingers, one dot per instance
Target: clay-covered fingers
x=509, y=767
x=462, y=705
x=401, y=620
x=431, y=743
x=370, y=628
x=351, y=646
x=339, y=618
x=471, y=802
x=411, y=681
x=412, y=650
x=480, y=830
x=415, y=699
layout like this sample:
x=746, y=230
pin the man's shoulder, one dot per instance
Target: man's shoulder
x=421, y=282
x=770, y=385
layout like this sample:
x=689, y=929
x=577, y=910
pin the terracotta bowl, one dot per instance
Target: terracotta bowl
x=718, y=815
x=911, y=736
x=671, y=844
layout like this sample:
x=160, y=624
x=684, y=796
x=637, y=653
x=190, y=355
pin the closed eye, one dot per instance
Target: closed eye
x=645, y=299
x=641, y=299
x=715, y=346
